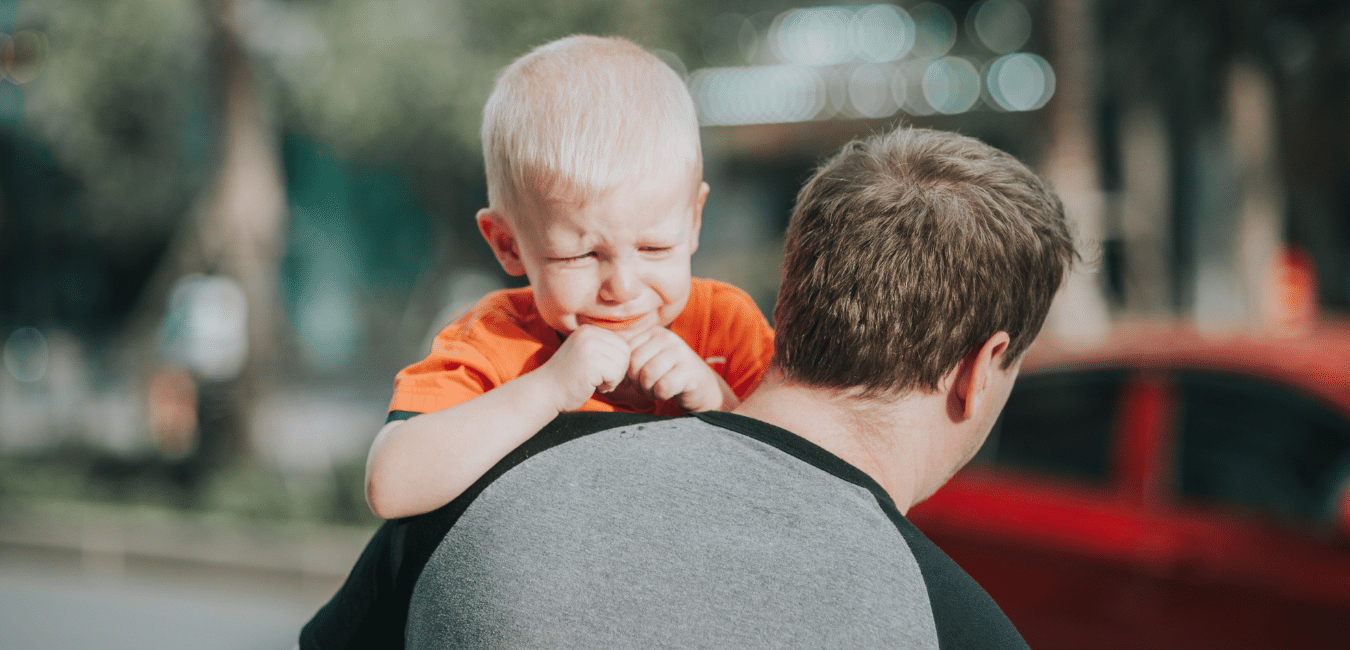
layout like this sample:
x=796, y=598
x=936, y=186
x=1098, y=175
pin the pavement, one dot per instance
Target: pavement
x=77, y=575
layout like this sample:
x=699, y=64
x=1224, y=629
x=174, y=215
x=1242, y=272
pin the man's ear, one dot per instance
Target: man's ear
x=970, y=388
x=499, y=235
x=698, y=216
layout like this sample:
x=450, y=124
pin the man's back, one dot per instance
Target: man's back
x=714, y=531
x=918, y=267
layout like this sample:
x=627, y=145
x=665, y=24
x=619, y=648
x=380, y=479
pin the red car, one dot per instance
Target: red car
x=1165, y=490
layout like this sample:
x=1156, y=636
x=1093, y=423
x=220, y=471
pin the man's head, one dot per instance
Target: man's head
x=595, y=182
x=908, y=251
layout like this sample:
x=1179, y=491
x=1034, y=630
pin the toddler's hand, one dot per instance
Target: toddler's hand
x=591, y=359
x=667, y=368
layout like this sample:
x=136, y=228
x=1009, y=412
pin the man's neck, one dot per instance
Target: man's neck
x=882, y=438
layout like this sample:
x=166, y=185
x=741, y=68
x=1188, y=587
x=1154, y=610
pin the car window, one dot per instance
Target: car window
x=1058, y=423
x=1259, y=446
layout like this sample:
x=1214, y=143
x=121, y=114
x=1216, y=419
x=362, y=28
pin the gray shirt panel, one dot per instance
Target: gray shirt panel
x=671, y=534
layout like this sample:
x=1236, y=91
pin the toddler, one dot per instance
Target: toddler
x=595, y=193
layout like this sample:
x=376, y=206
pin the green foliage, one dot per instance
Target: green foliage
x=510, y=27
x=121, y=104
x=373, y=79
x=386, y=79
x=130, y=92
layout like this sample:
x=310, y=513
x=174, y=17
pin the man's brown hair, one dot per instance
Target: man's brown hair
x=908, y=250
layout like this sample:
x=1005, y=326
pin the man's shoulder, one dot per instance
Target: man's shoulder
x=964, y=614
x=660, y=522
x=570, y=426
x=717, y=477
x=718, y=519
x=564, y=428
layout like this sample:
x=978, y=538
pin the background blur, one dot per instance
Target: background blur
x=226, y=224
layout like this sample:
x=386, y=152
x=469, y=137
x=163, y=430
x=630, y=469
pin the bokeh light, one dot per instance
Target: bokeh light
x=911, y=94
x=206, y=328
x=831, y=35
x=936, y=30
x=1003, y=26
x=813, y=36
x=328, y=322
x=869, y=90
x=26, y=354
x=867, y=61
x=25, y=54
x=757, y=95
x=837, y=104
x=951, y=85
x=1020, y=82
x=899, y=86
x=881, y=33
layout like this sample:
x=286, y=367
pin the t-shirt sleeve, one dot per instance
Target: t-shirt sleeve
x=964, y=613
x=453, y=373
x=741, y=335
x=496, y=341
x=366, y=611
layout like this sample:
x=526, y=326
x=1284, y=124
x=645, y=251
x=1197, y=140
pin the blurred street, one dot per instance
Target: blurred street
x=74, y=577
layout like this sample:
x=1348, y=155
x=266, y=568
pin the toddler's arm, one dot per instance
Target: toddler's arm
x=421, y=464
x=666, y=367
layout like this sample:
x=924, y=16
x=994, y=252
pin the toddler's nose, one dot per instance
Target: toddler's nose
x=621, y=282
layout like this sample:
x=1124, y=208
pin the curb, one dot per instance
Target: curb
x=215, y=540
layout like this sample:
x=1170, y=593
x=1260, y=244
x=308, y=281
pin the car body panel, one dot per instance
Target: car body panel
x=1121, y=541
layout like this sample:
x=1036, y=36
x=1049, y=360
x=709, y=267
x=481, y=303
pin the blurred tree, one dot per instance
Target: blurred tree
x=121, y=102
x=112, y=126
x=379, y=80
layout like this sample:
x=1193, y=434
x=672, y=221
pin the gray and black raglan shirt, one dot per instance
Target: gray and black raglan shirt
x=624, y=531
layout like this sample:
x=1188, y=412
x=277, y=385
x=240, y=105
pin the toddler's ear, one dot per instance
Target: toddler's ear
x=499, y=235
x=698, y=216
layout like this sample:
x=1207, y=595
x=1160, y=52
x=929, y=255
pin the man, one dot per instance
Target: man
x=919, y=266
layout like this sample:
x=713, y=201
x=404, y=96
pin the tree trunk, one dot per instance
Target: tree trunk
x=243, y=225
x=237, y=230
x=1079, y=314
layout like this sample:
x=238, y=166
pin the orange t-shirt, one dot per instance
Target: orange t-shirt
x=503, y=337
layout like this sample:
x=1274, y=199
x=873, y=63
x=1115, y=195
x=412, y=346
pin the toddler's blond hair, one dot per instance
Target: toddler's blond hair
x=580, y=115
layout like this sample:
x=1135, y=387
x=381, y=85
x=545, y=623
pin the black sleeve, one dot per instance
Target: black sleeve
x=401, y=415
x=364, y=612
x=965, y=615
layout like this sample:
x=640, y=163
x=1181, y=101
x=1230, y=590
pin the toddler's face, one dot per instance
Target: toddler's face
x=620, y=261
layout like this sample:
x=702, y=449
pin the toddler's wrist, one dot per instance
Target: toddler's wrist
x=541, y=389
